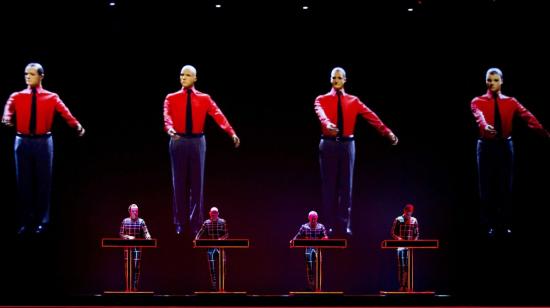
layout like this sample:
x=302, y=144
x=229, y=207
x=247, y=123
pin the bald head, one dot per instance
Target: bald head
x=338, y=78
x=493, y=79
x=37, y=66
x=134, y=211
x=214, y=213
x=313, y=217
x=493, y=71
x=338, y=69
x=190, y=68
x=34, y=73
x=408, y=210
x=188, y=76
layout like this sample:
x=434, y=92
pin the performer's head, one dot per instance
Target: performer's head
x=34, y=73
x=313, y=217
x=338, y=78
x=493, y=79
x=188, y=76
x=408, y=210
x=133, y=210
x=214, y=213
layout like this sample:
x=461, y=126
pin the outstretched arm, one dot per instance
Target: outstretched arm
x=68, y=117
x=215, y=112
x=531, y=120
x=375, y=121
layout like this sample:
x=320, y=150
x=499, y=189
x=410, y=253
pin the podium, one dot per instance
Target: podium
x=411, y=245
x=128, y=245
x=320, y=244
x=221, y=245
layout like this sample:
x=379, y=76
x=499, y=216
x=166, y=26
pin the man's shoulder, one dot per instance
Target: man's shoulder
x=509, y=98
x=400, y=218
x=174, y=94
x=126, y=220
x=201, y=94
x=324, y=96
x=221, y=220
x=204, y=97
x=44, y=91
x=16, y=94
x=48, y=94
x=481, y=98
x=351, y=96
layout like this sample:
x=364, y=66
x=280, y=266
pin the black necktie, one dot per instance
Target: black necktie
x=188, y=115
x=340, y=120
x=32, y=127
x=498, y=120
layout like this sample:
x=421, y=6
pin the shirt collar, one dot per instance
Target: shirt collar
x=490, y=94
x=39, y=89
x=193, y=90
x=333, y=91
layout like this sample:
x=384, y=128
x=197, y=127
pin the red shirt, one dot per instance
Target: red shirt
x=47, y=103
x=483, y=108
x=201, y=103
x=326, y=107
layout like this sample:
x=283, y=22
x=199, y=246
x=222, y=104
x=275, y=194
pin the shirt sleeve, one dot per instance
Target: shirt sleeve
x=9, y=109
x=65, y=113
x=300, y=233
x=320, y=111
x=530, y=119
x=225, y=231
x=215, y=112
x=395, y=229
x=121, y=231
x=478, y=114
x=168, y=122
x=145, y=230
x=416, y=231
x=201, y=231
x=372, y=118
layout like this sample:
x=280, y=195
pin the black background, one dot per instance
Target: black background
x=264, y=62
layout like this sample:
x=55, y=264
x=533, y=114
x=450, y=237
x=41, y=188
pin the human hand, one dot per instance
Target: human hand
x=490, y=129
x=172, y=133
x=333, y=129
x=236, y=141
x=7, y=122
x=80, y=130
x=393, y=138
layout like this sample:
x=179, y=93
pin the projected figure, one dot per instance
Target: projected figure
x=494, y=114
x=337, y=112
x=405, y=227
x=32, y=112
x=184, y=116
x=213, y=228
x=311, y=230
x=131, y=228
